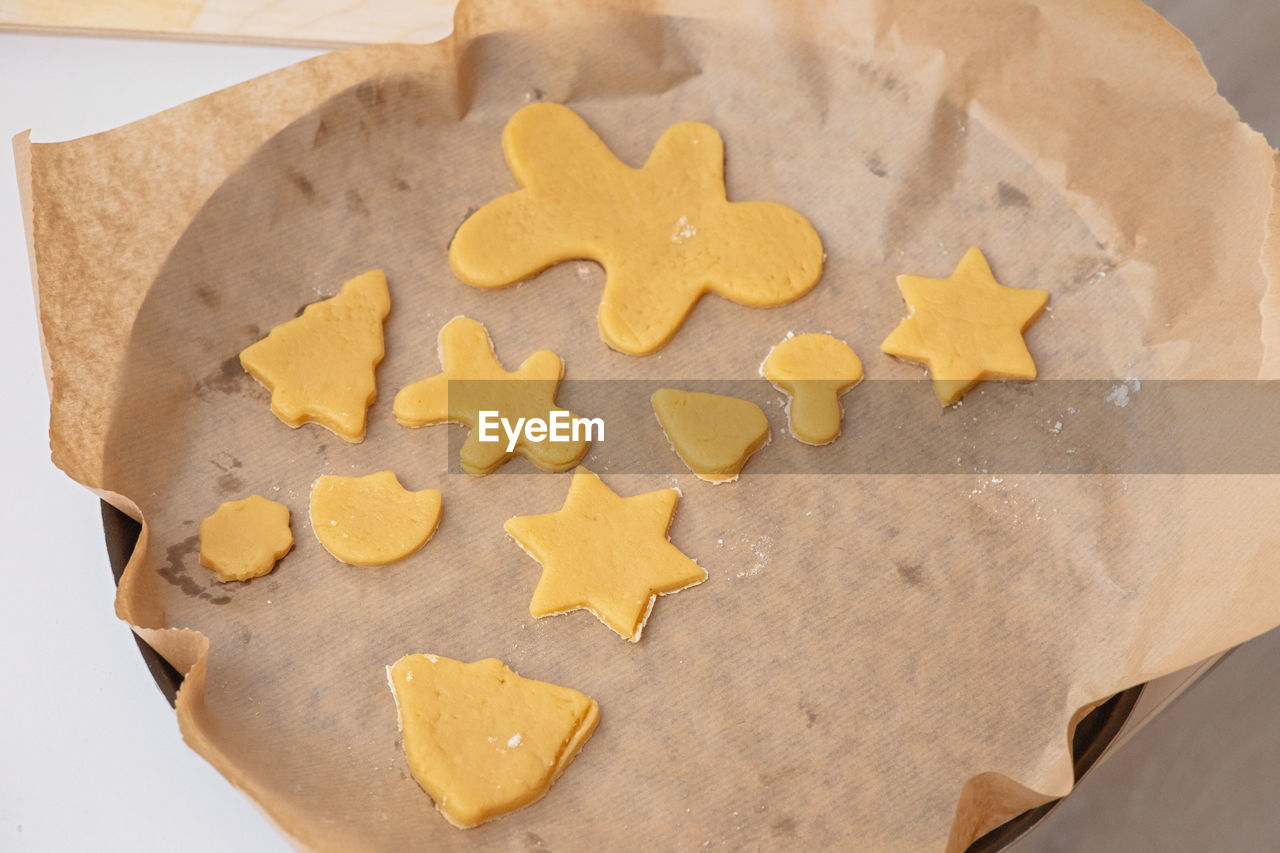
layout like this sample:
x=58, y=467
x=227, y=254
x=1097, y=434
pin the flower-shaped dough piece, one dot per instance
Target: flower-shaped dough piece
x=713, y=434
x=474, y=381
x=320, y=366
x=966, y=328
x=244, y=539
x=605, y=553
x=372, y=520
x=665, y=233
x=813, y=370
x=481, y=740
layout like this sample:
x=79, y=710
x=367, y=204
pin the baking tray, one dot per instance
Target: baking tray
x=1093, y=735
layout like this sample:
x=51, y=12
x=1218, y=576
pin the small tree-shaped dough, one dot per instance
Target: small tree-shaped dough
x=320, y=366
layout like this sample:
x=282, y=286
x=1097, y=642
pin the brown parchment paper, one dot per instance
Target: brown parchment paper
x=876, y=662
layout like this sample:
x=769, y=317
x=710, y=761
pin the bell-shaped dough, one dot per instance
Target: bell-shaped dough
x=713, y=434
x=481, y=740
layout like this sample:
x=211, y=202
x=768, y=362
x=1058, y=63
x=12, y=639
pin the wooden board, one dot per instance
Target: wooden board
x=310, y=23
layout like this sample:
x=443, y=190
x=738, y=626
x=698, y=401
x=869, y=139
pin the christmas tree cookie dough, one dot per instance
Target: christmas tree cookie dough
x=813, y=370
x=319, y=367
x=713, y=434
x=245, y=539
x=605, y=553
x=474, y=381
x=966, y=328
x=481, y=740
x=665, y=233
x=372, y=520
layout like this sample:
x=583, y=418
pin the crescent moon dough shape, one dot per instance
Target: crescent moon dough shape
x=481, y=740
x=245, y=539
x=319, y=367
x=665, y=233
x=813, y=370
x=372, y=520
x=713, y=434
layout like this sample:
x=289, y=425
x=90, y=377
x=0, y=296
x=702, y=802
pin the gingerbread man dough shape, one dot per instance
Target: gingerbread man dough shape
x=665, y=233
x=474, y=381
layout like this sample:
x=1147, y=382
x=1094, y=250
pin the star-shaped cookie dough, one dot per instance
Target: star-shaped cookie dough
x=474, y=381
x=605, y=553
x=966, y=328
x=665, y=233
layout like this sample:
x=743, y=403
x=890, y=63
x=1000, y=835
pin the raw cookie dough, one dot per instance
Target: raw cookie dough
x=966, y=328
x=713, y=434
x=244, y=539
x=481, y=740
x=605, y=553
x=470, y=384
x=813, y=370
x=665, y=233
x=372, y=520
x=320, y=366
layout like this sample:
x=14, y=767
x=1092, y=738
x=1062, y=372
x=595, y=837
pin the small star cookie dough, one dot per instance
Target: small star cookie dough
x=713, y=434
x=372, y=520
x=605, y=553
x=665, y=233
x=245, y=539
x=481, y=740
x=474, y=381
x=813, y=371
x=966, y=328
x=319, y=367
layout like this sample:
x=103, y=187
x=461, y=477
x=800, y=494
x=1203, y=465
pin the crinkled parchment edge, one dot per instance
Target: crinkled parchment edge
x=66, y=199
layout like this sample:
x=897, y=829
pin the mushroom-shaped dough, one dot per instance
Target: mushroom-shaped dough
x=813, y=370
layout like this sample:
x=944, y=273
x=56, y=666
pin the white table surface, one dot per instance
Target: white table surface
x=90, y=754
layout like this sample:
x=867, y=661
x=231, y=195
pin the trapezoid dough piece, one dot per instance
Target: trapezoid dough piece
x=813, y=370
x=713, y=434
x=966, y=328
x=245, y=539
x=665, y=233
x=605, y=553
x=474, y=381
x=319, y=367
x=372, y=520
x=481, y=740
